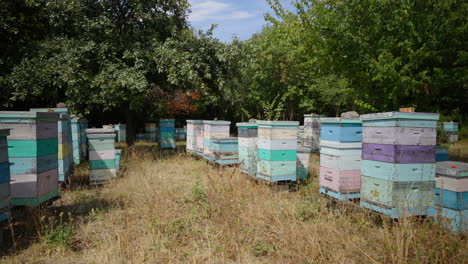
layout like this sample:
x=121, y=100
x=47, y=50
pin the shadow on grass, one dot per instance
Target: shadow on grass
x=29, y=225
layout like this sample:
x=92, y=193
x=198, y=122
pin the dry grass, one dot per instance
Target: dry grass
x=176, y=209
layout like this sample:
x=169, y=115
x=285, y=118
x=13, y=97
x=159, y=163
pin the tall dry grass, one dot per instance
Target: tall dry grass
x=176, y=209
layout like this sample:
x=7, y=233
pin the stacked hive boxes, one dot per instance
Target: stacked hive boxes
x=213, y=129
x=277, y=150
x=118, y=156
x=140, y=136
x=102, y=163
x=200, y=144
x=311, y=131
x=4, y=176
x=32, y=151
x=302, y=163
x=167, y=133
x=452, y=194
x=76, y=140
x=65, y=151
x=247, y=141
x=398, y=169
x=150, y=132
x=83, y=142
x=181, y=133
x=441, y=153
x=300, y=136
x=121, y=131
x=226, y=151
x=451, y=130
x=192, y=127
x=340, y=156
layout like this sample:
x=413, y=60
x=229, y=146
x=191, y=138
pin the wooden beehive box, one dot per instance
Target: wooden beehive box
x=121, y=131
x=226, y=151
x=277, y=150
x=340, y=157
x=4, y=176
x=247, y=142
x=398, y=166
x=213, y=129
x=192, y=134
x=167, y=134
x=102, y=164
x=32, y=150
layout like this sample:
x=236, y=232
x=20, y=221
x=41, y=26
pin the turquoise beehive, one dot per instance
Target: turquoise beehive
x=247, y=141
x=167, y=134
x=4, y=176
x=32, y=151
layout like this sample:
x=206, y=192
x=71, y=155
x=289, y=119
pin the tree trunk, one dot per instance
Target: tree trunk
x=131, y=131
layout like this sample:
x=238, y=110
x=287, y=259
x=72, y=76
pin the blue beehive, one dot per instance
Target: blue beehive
x=451, y=130
x=226, y=151
x=167, y=134
x=398, y=163
x=247, y=141
x=277, y=150
x=451, y=197
x=4, y=176
x=150, y=132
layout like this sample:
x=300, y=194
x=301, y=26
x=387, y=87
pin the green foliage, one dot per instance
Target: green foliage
x=59, y=236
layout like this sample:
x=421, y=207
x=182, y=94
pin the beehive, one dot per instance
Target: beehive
x=441, y=153
x=200, y=144
x=118, y=156
x=398, y=166
x=33, y=156
x=4, y=176
x=226, y=151
x=167, y=134
x=140, y=136
x=121, y=131
x=302, y=163
x=213, y=129
x=340, y=157
x=150, y=132
x=277, y=150
x=76, y=140
x=102, y=164
x=300, y=136
x=192, y=128
x=65, y=142
x=84, y=142
x=247, y=141
x=181, y=133
x=452, y=194
x=451, y=131
x=311, y=131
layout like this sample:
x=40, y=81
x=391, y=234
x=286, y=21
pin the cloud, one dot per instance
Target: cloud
x=203, y=10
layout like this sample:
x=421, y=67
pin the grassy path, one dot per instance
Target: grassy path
x=176, y=209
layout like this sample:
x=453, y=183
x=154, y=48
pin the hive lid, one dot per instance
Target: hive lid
x=312, y=115
x=100, y=131
x=56, y=110
x=277, y=123
x=247, y=125
x=400, y=115
x=225, y=140
x=194, y=121
x=5, y=132
x=340, y=120
x=452, y=169
x=6, y=115
x=217, y=122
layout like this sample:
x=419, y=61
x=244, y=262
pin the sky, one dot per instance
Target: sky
x=240, y=17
